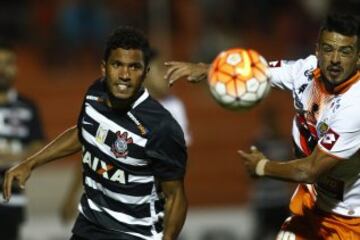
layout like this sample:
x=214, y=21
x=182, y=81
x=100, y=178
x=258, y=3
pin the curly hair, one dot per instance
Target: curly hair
x=127, y=37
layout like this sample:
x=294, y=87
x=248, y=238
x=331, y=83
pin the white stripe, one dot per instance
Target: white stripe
x=124, y=218
x=81, y=209
x=15, y=200
x=116, y=196
x=142, y=98
x=121, y=217
x=140, y=179
x=158, y=236
x=154, y=217
x=93, y=206
x=95, y=115
x=107, y=150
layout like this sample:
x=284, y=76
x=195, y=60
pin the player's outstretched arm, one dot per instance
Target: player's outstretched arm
x=303, y=170
x=193, y=72
x=64, y=145
x=175, y=208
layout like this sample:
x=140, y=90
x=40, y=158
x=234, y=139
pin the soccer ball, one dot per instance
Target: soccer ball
x=239, y=78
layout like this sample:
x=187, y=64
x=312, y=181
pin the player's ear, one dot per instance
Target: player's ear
x=317, y=50
x=102, y=68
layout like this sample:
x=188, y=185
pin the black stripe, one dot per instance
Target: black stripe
x=159, y=205
x=136, y=211
x=110, y=223
x=84, y=229
x=131, y=189
x=159, y=226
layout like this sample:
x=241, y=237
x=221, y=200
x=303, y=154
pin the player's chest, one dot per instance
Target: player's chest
x=117, y=135
x=317, y=108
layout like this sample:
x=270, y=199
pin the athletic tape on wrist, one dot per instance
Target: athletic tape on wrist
x=260, y=167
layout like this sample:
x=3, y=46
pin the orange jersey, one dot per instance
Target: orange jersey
x=330, y=208
x=311, y=223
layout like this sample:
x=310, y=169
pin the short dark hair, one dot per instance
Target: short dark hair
x=6, y=45
x=127, y=37
x=347, y=25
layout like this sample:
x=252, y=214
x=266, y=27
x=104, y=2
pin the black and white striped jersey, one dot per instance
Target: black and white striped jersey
x=20, y=126
x=125, y=155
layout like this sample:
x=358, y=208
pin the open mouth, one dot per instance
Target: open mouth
x=334, y=71
x=122, y=86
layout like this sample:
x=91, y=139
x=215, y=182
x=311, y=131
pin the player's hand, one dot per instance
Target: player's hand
x=194, y=72
x=20, y=173
x=251, y=159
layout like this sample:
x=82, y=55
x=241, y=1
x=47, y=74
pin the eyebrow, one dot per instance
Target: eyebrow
x=343, y=46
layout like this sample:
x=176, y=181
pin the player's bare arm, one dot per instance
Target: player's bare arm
x=7, y=159
x=175, y=208
x=303, y=170
x=64, y=145
x=193, y=72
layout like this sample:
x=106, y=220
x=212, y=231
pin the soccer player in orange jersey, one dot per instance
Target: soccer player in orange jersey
x=326, y=132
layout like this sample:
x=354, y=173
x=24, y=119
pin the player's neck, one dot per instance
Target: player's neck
x=333, y=88
x=122, y=104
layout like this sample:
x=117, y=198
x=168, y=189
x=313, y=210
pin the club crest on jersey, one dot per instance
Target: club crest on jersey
x=322, y=128
x=120, y=146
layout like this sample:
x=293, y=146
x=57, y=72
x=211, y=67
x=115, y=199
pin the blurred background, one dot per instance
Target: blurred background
x=59, y=46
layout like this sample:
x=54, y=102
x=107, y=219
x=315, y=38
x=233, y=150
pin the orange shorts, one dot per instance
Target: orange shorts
x=310, y=223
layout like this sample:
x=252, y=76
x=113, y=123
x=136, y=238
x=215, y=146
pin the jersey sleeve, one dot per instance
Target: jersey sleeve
x=286, y=74
x=342, y=138
x=167, y=151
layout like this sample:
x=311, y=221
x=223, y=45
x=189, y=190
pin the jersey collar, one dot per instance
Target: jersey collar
x=140, y=99
x=341, y=88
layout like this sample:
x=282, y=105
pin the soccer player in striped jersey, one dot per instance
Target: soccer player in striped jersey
x=326, y=132
x=134, y=152
x=20, y=135
x=159, y=89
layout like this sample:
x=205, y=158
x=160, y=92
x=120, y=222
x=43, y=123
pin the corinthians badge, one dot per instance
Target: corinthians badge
x=120, y=146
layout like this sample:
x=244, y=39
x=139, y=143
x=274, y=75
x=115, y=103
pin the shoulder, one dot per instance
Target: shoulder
x=346, y=109
x=303, y=68
x=154, y=111
x=296, y=65
x=292, y=74
x=157, y=117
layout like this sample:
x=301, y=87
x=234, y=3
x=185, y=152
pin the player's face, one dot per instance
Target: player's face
x=338, y=56
x=124, y=71
x=7, y=69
